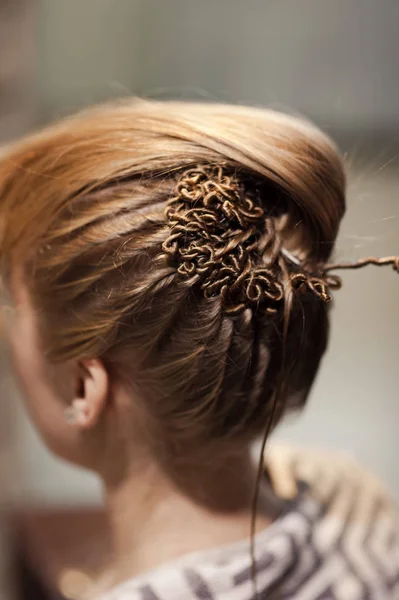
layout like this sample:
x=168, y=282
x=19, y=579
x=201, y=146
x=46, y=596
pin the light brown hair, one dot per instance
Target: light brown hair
x=170, y=239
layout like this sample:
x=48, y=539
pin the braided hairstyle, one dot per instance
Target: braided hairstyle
x=186, y=245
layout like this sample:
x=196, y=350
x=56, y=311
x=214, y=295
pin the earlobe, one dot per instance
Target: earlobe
x=89, y=403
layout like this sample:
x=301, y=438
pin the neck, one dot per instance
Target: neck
x=150, y=514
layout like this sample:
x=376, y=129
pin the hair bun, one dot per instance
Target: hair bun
x=298, y=169
x=221, y=236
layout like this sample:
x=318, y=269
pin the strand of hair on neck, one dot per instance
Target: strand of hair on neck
x=277, y=395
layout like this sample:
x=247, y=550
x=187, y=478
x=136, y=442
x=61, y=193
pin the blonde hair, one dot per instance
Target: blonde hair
x=86, y=208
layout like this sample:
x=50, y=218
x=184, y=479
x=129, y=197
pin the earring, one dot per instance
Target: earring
x=70, y=414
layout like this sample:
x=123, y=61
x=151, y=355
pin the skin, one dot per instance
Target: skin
x=149, y=514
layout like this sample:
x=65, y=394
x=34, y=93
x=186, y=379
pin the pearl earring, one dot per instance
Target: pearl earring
x=70, y=414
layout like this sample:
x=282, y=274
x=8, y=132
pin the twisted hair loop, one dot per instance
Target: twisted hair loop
x=220, y=235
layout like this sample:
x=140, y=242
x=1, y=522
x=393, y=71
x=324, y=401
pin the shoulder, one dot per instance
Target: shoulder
x=353, y=518
x=327, y=475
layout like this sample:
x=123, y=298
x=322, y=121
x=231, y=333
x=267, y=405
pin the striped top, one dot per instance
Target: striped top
x=336, y=539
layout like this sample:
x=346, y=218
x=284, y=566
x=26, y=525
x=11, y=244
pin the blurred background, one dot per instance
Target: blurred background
x=332, y=60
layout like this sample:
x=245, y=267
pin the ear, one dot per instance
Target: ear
x=91, y=394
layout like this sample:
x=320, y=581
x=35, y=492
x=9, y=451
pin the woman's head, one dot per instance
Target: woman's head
x=157, y=248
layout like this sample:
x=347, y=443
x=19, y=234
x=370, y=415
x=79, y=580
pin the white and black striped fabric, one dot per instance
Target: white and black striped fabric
x=337, y=539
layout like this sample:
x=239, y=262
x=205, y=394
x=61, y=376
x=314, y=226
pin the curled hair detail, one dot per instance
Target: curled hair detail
x=221, y=236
